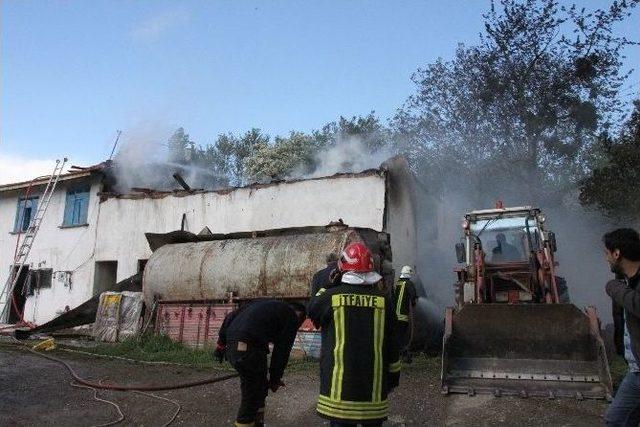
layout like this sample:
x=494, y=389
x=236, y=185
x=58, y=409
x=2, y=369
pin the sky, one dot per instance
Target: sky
x=75, y=72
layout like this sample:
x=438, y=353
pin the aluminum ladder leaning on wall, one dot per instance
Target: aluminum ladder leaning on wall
x=27, y=242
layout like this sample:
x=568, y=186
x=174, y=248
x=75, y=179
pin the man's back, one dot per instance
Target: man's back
x=358, y=350
x=262, y=322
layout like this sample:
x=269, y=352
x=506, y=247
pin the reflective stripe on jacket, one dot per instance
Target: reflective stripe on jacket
x=404, y=294
x=359, y=360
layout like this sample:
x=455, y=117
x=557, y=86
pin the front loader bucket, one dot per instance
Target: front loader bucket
x=550, y=350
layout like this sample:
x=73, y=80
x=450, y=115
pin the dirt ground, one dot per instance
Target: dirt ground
x=36, y=391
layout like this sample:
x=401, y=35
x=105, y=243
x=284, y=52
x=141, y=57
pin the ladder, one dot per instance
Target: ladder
x=27, y=242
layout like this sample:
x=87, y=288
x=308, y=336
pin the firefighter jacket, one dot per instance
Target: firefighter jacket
x=359, y=361
x=322, y=278
x=404, y=294
x=260, y=323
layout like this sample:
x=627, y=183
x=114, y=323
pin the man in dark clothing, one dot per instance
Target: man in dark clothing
x=504, y=251
x=245, y=336
x=405, y=298
x=622, y=252
x=322, y=277
x=359, y=361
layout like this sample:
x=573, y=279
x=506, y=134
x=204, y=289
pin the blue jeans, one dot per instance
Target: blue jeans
x=625, y=408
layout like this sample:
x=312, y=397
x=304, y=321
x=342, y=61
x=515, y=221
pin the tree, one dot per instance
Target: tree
x=229, y=153
x=368, y=129
x=519, y=110
x=181, y=148
x=613, y=186
x=301, y=154
x=294, y=153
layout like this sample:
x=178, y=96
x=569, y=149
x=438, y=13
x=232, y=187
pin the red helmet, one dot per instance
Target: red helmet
x=356, y=257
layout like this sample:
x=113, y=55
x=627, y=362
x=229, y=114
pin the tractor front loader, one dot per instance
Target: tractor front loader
x=513, y=330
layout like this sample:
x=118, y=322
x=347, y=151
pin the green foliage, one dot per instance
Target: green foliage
x=368, y=129
x=281, y=158
x=229, y=153
x=300, y=153
x=158, y=348
x=181, y=147
x=612, y=185
x=523, y=113
x=523, y=106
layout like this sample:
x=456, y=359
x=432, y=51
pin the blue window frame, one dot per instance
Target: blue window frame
x=25, y=213
x=76, y=206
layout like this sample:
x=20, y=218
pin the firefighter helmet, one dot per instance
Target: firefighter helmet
x=356, y=257
x=406, y=272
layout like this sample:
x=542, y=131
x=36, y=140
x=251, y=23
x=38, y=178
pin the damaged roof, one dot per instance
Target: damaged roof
x=75, y=172
x=142, y=193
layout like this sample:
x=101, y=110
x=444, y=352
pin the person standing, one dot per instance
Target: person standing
x=405, y=298
x=622, y=252
x=244, y=339
x=359, y=360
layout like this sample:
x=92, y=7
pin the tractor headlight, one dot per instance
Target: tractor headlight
x=541, y=218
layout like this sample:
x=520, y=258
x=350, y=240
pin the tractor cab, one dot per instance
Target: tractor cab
x=507, y=256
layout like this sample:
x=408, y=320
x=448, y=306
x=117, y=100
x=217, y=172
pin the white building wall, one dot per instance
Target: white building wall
x=117, y=225
x=61, y=249
x=359, y=201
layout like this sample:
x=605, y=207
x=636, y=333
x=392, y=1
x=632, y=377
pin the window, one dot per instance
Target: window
x=76, y=207
x=38, y=279
x=26, y=212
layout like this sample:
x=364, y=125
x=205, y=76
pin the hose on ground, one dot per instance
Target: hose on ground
x=119, y=387
x=175, y=414
x=95, y=397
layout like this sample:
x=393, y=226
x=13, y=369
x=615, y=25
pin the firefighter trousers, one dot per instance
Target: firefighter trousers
x=403, y=335
x=251, y=364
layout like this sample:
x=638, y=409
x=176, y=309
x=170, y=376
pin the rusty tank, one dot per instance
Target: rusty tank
x=273, y=263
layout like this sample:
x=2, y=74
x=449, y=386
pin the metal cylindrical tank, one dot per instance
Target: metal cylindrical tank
x=274, y=266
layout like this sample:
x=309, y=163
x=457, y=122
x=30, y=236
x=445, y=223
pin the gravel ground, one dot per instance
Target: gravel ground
x=36, y=391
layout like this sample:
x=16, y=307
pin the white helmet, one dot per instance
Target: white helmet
x=406, y=272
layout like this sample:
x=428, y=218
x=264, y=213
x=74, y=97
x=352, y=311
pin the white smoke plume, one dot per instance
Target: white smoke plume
x=135, y=164
x=144, y=161
x=349, y=154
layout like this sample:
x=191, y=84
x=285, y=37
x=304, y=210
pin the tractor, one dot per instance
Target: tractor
x=513, y=330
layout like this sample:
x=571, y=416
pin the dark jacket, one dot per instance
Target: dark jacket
x=359, y=360
x=404, y=295
x=321, y=278
x=626, y=305
x=260, y=323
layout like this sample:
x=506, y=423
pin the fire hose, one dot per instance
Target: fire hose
x=120, y=387
x=140, y=389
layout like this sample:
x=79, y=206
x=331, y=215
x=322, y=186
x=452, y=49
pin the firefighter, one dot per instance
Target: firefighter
x=244, y=339
x=359, y=361
x=405, y=298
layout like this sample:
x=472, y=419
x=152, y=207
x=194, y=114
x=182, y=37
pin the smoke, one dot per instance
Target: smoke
x=578, y=234
x=144, y=161
x=349, y=154
x=141, y=149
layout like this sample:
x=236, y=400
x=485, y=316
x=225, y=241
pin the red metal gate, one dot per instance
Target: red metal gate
x=194, y=325
x=197, y=325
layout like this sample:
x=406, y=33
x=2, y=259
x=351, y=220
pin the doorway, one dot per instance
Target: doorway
x=19, y=296
x=105, y=277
